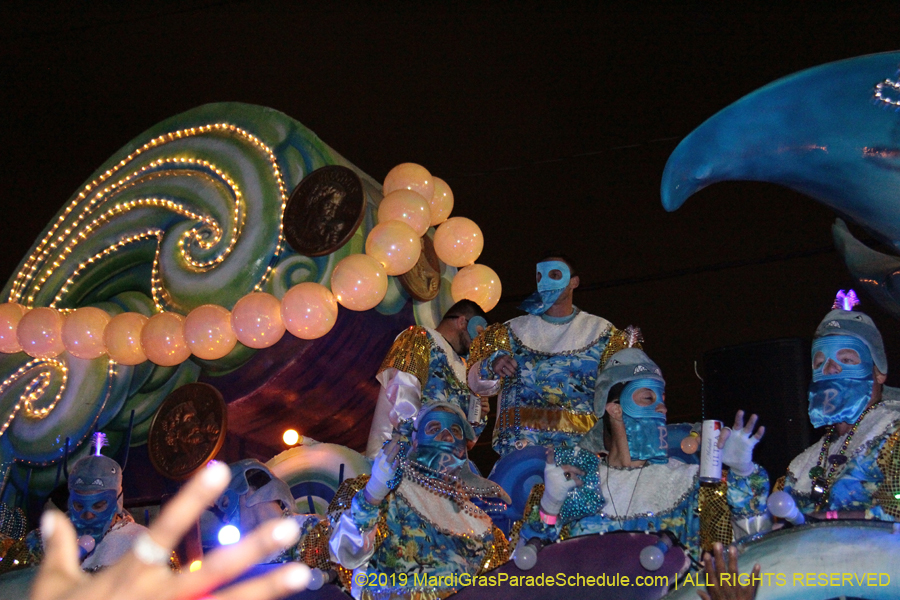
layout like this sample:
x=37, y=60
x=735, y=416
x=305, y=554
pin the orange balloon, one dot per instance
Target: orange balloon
x=359, y=282
x=409, y=176
x=256, y=320
x=162, y=339
x=441, y=202
x=123, y=338
x=309, y=310
x=395, y=245
x=208, y=333
x=406, y=206
x=82, y=332
x=458, y=242
x=40, y=333
x=10, y=315
x=690, y=444
x=477, y=283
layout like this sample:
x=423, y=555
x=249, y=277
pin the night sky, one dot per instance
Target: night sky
x=550, y=121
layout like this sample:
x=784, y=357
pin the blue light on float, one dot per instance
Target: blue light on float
x=229, y=535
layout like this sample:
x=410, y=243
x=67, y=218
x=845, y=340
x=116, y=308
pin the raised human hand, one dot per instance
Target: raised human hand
x=383, y=470
x=144, y=573
x=559, y=480
x=737, y=444
x=728, y=587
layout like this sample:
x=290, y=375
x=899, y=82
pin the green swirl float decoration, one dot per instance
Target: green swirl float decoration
x=186, y=214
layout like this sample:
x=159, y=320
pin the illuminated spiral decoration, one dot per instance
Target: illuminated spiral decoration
x=188, y=213
x=183, y=196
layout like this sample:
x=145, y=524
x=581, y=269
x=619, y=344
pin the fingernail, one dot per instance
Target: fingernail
x=48, y=524
x=286, y=532
x=215, y=474
x=296, y=576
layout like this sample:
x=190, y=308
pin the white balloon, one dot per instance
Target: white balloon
x=525, y=557
x=652, y=558
x=316, y=579
x=782, y=505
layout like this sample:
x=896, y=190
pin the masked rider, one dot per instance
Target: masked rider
x=854, y=471
x=543, y=365
x=106, y=531
x=413, y=520
x=621, y=477
x=427, y=365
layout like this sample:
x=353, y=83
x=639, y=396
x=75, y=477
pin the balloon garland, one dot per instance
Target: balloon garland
x=414, y=200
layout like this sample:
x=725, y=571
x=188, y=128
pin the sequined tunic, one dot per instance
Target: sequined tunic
x=419, y=534
x=550, y=401
x=654, y=498
x=421, y=367
x=870, y=478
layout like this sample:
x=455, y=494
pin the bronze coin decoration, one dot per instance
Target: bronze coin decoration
x=324, y=211
x=423, y=281
x=187, y=430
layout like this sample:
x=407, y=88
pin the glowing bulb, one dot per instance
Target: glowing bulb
x=291, y=437
x=195, y=566
x=229, y=535
x=525, y=557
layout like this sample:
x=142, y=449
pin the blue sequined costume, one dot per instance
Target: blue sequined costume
x=550, y=401
x=420, y=368
x=859, y=484
x=420, y=536
x=653, y=498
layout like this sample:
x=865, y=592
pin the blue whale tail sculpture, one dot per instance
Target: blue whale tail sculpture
x=831, y=132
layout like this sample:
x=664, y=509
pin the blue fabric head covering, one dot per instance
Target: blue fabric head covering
x=859, y=325
x=840, y=397
x=95, y=495
x=646, y=441
x=444, y=456
x=644, y=426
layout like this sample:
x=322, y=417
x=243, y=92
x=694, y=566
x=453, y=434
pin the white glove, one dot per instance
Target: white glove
x=382, y=472
x=738, y=450
x=556, y=487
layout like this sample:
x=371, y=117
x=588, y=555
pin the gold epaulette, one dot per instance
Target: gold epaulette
x=497, y=553
x=314, y=548
x=715, y=516
x=344, y=496
x=410, y=353
x=494, y=337
x=314, y=552
x=14, y=555
x=617, y=341
x=887, y=496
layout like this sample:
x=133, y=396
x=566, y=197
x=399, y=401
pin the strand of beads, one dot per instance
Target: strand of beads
x=818, y=472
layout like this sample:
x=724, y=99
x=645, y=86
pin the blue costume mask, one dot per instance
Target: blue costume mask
x=92, y=514
x=840, y=397
x=549, y=290
x=441, y=455
x=644, y=427
x=474, y=323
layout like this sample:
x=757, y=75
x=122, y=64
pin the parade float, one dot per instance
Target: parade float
x=226, y=286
